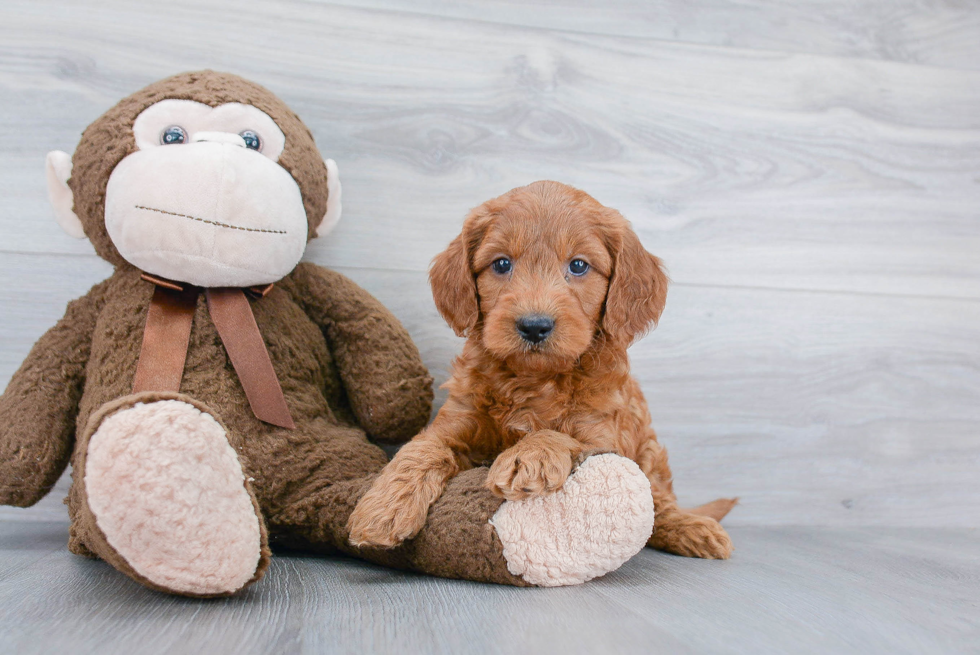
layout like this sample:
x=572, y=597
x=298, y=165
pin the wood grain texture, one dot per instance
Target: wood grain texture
x=798, y=590
x=813, y=189
x=937, y=32
x=739, y=167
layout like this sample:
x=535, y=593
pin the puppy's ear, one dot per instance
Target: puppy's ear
x=637, y=290
x=453, y=286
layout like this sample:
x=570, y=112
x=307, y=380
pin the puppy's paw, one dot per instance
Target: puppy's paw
x=520, y=472
x=384, y=523
x=396, y=506
x=692, y=536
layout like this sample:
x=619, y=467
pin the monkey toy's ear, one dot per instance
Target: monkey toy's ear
x=334, y=190
x=58, y=171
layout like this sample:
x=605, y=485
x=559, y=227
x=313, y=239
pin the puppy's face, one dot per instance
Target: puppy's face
x=541, y=271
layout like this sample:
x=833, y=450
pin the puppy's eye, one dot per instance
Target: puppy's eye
x=173, y=134
x=578, y=267
x=252, y=140
x=501, y=266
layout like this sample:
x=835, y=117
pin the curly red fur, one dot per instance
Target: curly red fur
x=530, y=410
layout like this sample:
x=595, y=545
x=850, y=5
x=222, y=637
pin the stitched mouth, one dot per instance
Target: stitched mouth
x=215, y=223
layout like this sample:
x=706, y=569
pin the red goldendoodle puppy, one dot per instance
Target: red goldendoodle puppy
x=551, y=288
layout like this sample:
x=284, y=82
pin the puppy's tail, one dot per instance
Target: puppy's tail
x=716, y=509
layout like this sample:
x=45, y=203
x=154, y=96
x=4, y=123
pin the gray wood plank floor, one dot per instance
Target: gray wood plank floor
x=810, y=172
x=788, y=590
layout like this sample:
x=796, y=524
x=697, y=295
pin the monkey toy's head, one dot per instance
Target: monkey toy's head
x=203, y=178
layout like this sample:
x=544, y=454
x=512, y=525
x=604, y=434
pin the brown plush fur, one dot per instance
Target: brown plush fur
x=532, y=410
x=348, y=370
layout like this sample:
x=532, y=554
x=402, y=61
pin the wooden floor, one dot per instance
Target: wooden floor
x=788, y=590
x=808, y=169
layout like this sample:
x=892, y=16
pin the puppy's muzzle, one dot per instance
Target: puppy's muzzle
x=535, y=328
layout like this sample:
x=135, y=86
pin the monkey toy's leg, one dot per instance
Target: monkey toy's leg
x=160, y=494
x=600, y=518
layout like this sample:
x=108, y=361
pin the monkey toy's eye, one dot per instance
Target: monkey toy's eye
x=501, y=266
x=252, y=140
x=173, y=134
x=578, y=267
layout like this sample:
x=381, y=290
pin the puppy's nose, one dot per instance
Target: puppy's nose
x=535, y=328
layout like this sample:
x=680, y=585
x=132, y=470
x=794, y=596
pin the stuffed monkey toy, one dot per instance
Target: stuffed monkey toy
x=215, y=396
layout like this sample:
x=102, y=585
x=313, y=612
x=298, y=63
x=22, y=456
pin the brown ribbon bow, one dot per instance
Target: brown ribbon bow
x=168, y=331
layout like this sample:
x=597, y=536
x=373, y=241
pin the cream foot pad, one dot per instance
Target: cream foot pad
x=600, y=518
x=168, y=492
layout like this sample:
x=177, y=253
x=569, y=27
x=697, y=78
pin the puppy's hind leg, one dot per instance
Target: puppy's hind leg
x=691, y=533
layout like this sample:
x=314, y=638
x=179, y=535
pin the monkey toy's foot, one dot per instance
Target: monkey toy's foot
x=165, y=499
x=601, y=517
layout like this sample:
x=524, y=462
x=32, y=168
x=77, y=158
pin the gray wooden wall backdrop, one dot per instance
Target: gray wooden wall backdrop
x=810, y=172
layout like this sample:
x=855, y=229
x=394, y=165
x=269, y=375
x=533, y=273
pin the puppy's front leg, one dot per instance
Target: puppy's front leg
x=396, y=506
x=537, y=464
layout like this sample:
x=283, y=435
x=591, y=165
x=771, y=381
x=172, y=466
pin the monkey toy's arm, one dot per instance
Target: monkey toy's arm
x=388, y=386
x=39, y=407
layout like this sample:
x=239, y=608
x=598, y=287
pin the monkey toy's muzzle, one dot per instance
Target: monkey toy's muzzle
x=211, y=213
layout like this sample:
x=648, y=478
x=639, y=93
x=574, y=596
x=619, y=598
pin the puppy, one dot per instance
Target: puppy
x=550, y=288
